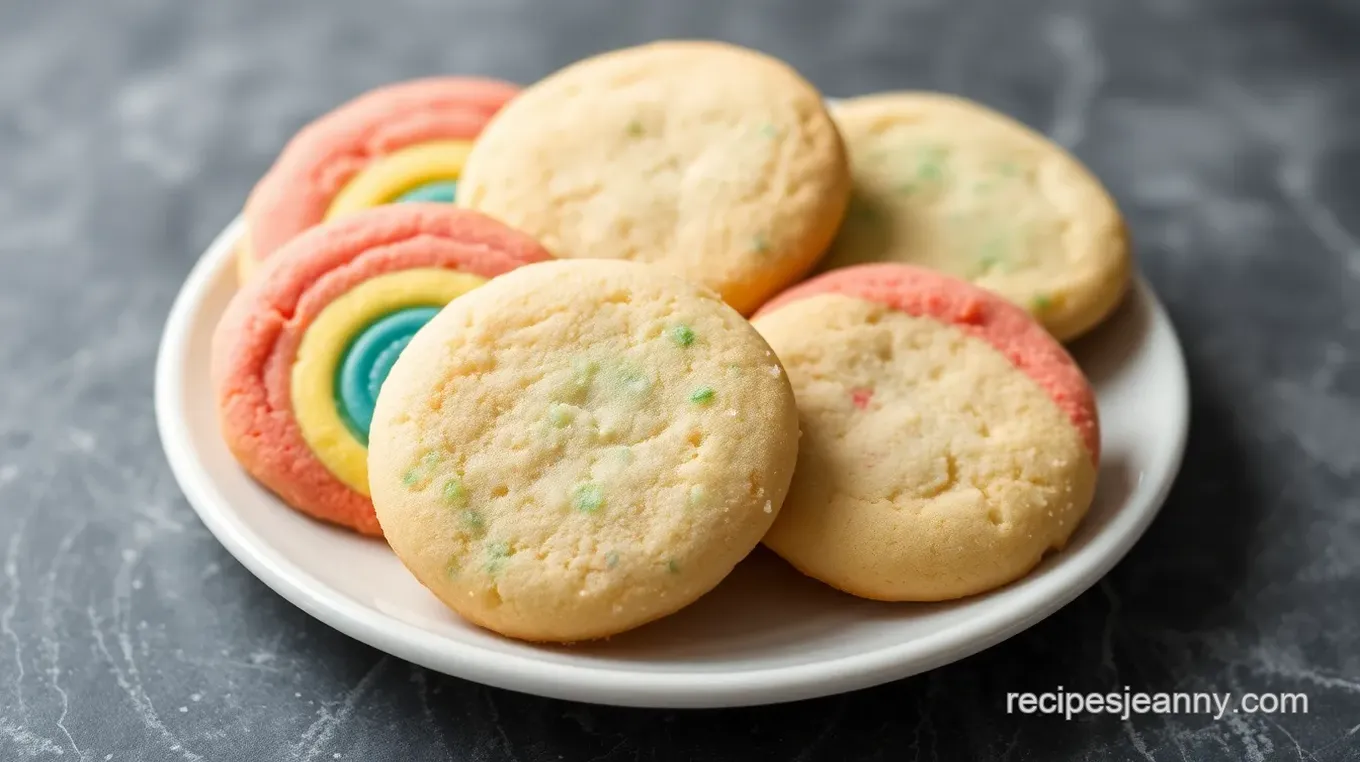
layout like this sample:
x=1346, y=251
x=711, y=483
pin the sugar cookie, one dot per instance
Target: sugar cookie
x=718, y=163
x=403, y=142
x=954, y=186
x=948, y=440
x=581, y=447
x=302, y=350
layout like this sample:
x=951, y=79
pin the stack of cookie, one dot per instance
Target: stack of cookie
x=508, y=332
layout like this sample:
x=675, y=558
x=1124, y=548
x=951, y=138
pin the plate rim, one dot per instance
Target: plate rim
x=606, y=685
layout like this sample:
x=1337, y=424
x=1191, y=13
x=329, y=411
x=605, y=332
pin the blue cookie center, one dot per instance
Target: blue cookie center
x=367, y=362
x=440, y=191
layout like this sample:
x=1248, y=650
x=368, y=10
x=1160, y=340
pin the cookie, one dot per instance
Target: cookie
x=951, y=185
x=403, y=142
x=717, y=163
x=302, y=349
x=948, y=440
x=580, y=447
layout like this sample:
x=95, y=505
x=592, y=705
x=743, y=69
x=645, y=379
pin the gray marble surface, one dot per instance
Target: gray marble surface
x=131, y=130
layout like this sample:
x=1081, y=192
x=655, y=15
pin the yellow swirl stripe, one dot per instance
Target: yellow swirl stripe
x=324, y=345
x=387, y=177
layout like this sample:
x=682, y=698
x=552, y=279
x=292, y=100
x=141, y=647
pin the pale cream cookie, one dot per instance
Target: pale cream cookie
x=718, y=163
x=949, y=184
x=948, y=440
x=580, y=447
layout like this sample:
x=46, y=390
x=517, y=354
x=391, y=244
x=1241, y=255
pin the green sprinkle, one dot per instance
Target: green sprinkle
x=983, y=188
x=696, y=495
x=453, y=492
x=906, y=189
x=559, y=415
x=473, y=520
x=496, y=553
x=769, y=130
x=623, y=454
x=930, y=164
x=682, y=335
x=702, y=396
x=673, y=566
x=611, y=559
x=634, y=381
x=418, y=474
x=635, y=129
x=452, y=567
x=760, y=244
x=587, y=498
x=1041, y=302
x=1008, y=169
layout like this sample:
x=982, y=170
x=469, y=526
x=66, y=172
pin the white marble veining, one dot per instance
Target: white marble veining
x=131, y=130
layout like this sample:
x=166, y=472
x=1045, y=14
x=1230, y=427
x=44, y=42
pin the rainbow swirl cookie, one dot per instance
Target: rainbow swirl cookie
x=302, y=350
x=581, y=447
x=403, y=142
x=948, y=440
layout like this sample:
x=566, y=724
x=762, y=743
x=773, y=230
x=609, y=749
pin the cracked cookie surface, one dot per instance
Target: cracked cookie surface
x=718, y=163
x=948, y=441
x=583, y=448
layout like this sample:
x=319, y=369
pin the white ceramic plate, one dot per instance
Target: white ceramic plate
x=766, y=635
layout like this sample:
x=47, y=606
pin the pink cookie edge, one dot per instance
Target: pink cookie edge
x=258, y=335
x=1010, y=330
x=332, y=148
